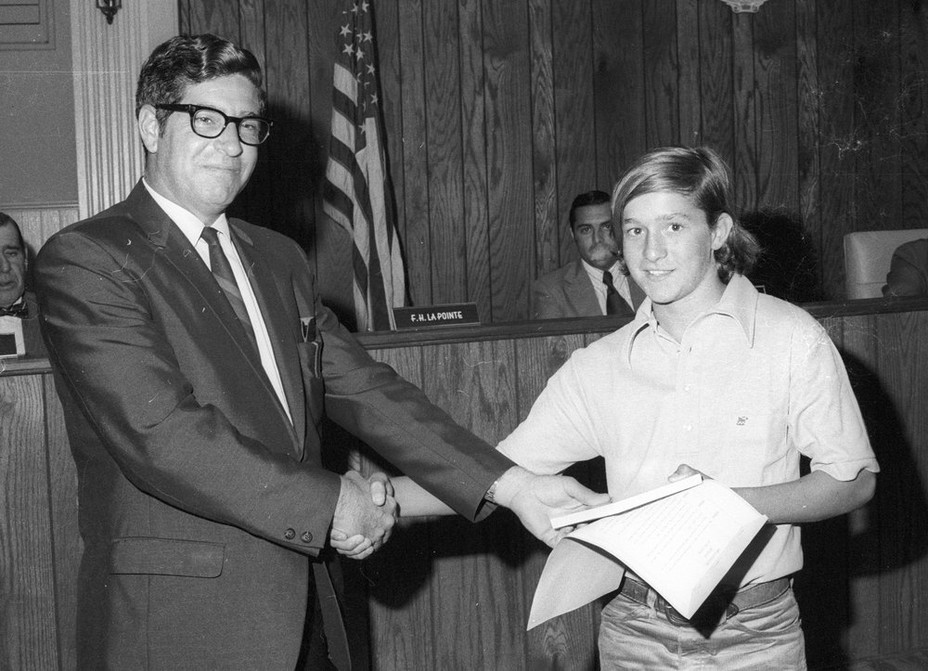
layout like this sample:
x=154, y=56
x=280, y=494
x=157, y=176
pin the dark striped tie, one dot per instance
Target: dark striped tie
x=222, y=271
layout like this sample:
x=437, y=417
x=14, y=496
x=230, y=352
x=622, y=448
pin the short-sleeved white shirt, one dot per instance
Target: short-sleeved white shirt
x=755, y=383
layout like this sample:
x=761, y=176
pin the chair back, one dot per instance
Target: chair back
x=867, y=255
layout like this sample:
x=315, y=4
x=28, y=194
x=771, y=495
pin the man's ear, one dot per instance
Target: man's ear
x=149, y=128
x=723, y=226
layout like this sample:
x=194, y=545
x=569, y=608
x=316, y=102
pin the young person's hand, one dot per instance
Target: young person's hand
x=685, y=471
x=535, y=499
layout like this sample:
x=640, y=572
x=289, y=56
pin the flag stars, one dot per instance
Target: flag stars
x=345, y=31
x=349, y=49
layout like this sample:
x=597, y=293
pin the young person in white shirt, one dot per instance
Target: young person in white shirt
x=710, y=377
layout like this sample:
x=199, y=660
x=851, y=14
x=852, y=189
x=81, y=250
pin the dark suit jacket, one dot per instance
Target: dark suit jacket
x=200, y=503
x=568, y=292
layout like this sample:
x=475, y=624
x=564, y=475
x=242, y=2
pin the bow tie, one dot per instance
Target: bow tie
x=19, y=309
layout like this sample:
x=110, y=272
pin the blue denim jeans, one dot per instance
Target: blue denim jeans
x=767, y=637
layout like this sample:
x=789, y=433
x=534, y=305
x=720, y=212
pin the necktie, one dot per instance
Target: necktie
x=222, y=271
x=615, y=304
x=19, y=309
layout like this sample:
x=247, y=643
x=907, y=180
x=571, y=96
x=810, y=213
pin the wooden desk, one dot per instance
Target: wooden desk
x=39, y=542
x=446, y=594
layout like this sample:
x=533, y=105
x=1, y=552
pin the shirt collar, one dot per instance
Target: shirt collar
x=739, y=301
x=189, y=224
x=597, y=275
x=18, y=308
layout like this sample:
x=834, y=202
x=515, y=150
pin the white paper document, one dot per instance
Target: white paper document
x=616, y=507
x=681, y=544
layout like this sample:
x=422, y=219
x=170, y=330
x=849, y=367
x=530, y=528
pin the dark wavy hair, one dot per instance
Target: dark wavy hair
x=584, y=200
x=700, y=174
x=185, y=60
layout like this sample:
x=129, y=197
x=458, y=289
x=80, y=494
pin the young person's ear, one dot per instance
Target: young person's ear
x=720, y=232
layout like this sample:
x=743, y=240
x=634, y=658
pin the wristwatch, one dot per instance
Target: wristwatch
x=491, y=492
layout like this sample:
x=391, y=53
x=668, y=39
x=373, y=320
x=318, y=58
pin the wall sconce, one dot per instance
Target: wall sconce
x=739, y=6
x=109, y=8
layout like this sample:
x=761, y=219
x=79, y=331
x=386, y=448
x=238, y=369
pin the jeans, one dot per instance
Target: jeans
x=767, y=637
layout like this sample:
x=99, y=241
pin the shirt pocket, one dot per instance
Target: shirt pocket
x=746, y=443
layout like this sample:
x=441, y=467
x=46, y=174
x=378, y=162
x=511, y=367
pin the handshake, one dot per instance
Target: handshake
x=367, y=509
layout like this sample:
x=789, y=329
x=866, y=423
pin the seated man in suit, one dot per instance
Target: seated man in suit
x=15, y=301
x=908, y=271
x=596, y=283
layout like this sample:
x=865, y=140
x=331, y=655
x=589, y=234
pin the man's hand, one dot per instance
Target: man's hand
x=364, y=515
x=538, y=498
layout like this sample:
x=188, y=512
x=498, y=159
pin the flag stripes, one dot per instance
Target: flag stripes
x=357, y=193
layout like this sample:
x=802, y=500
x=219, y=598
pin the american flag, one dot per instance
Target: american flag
x=357, y=193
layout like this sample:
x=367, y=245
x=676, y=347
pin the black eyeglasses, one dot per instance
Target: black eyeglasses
x=210, y=123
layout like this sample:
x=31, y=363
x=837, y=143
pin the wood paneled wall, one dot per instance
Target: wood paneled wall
x=446, y=594
x=498, y=112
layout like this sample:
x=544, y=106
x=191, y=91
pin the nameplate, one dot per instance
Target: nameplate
x=457, y=314
x=11, y=337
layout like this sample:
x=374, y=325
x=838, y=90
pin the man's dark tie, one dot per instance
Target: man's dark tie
x=19, y=309
x=222, y=271
x=615, y=304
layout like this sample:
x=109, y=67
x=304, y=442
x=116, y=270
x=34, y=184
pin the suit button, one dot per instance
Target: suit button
x=306, y=537
x=289, y=534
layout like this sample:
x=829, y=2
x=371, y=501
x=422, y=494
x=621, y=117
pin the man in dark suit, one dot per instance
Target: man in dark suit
x=597, y=282
x=17, y=305
x=194, y=362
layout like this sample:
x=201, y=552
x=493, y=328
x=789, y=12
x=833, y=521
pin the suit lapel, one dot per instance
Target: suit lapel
x=280, y=324
x=580, y=291
x=177, y=250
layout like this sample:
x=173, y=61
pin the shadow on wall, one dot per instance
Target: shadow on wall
x=788, y=266
x=862, y=572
